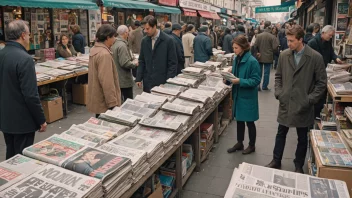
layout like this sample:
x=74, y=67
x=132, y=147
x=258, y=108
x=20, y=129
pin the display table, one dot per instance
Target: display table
x=338, y=98
x=180, y=181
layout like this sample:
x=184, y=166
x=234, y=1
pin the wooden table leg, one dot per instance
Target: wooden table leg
x=196, y=149
x=179, y=171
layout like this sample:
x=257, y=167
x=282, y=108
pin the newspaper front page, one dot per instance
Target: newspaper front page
x=172, y=107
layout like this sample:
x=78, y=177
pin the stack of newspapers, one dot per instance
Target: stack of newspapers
x=140, y=165
x=348, y=111
x=182, y=81
x=97, y=137
x=165, y=91
x=75, y=68
x=228, y=76
x=120, y=117
x=189, y=103
x=207, y=66
x=257, y=181
x=42, y=77
x=343, y=89
x=136, y=108
x=182, y=109
x=151, y=99
x=194, y=71
x=190, y=95
x=174, y=87
x=154, y=149
x=336, y=77
x=217, y=83
x=116, y=129
x=53, y=181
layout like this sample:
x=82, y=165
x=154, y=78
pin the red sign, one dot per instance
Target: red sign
x=189, y=12
x=168, y=2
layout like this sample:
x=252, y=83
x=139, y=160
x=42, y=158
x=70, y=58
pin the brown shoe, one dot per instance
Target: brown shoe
x=249, y=150
x=274, y=164
x=238, y=147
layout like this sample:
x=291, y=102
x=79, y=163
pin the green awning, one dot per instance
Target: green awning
x=62, y=4
x=223, y=16
x=170, y=10
x=130, y=4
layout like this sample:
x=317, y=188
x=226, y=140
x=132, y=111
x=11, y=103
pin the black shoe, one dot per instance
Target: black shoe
x=299, y=170
x=238, y=147
x=266, y=89
x=274, y=164
x=259, y=89
x=249, y=150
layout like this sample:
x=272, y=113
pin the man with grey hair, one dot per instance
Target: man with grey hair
x=124, y=62
x=323, y=45
x=21, y=113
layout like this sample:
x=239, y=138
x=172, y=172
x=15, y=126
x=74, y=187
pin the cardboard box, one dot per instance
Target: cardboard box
x=158, y=193
x=80, y=93
x=53, y=109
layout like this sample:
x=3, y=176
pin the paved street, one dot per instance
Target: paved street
x=216, y=172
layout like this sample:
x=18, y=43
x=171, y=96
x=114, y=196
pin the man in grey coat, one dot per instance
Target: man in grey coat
x=124, y=62
x=266, y=45
x=136, y=37
x=300, y=81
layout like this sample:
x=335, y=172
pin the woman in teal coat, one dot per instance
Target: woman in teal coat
x=245, y=93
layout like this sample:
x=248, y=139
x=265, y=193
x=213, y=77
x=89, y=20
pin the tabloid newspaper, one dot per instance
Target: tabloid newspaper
x=78, y=140
x=144, y=104
x=117, y=128
x=54, y=181
x=95, y=163
x=167, y=91
x=17, y=168
x=86, y=135
x=172, y=107
x=256, y=181
x=120, y=118
x=137, y=109
x=159, y=135
x=189, y=95
x=174, y=87
x=106, y=132
x=332, y=150
x=53, y=150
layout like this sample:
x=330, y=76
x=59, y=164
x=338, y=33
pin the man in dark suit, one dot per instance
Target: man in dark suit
x=176, y=32
x=158, y=58
x=21, y=113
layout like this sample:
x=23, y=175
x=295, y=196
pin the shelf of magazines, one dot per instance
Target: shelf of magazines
x=336, y=97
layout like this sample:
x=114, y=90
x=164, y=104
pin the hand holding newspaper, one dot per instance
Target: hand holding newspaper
x=228, y=76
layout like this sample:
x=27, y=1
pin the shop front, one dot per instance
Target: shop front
x=202, y=8
x=167, y=11
x=220, y=22
x=47, y=19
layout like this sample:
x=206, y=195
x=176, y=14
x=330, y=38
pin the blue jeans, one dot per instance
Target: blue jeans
x=267, y=67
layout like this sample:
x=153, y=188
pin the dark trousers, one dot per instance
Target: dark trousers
x=252, y=132
x=15, y=143
x=320, y=105
x=126, y=93
x=301, y=149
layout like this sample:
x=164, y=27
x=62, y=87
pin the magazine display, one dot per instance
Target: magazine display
x=207, y=65
x=54, y=181
x=158, y=135
x=120, y=117
x=153, y=148
x=116, y=128
x=166, y=91
x=53, y=150
x=257, y=181
x=140, y=166
x=79, y=133
x=136, y=109
x=332, y=150
x=343, y=89
x=174, y=87
x=17, y=168
x=172, y=107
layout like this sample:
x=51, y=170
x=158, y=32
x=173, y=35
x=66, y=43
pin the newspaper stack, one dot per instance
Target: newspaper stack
x=338, y=67
x=17, y=168
x=120, y=117
x=169, y=97
x=145, y=103
x=75, y=68
x=159, y=135
x=337, y=77
x=41, y=69
x=343, y=89
x=116, y=129
x=98, y=137
x=58, y=72
x=78, y=140
x=53, y=64
x=217, y=83
x=228, y=76
x=193, y=71
x=217, y=74
x=192, y=96
x=332, y=150
x=207, y=65
x=136, y=108
x=348, y=111
x=257, y=181
x=166, y=91
x=209, y=93
x=53, y=150
x=174, y=87
x=43, y=77
x=154, y=149
x=54, y=181
x=114, y=171
x=172, y=107
x=184, y=81
x=329, y=126
x=167, y=120
x=189, y=103
x=150, y=98
x=140, y=166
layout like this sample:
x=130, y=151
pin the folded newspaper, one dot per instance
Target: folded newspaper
x=147, y=97
x=172, y=107
x=184, y=81
x=117, y=129
x=54, y=181
x=136, y=108
x=228, y=76
x=167, y=91
x=17, y=168
x=174, y=87
x=159, y=135
x=343, y=89
x=193, y=71
x=144, y=103
x=191, y=96
x=85, y=133
x=207, y=65
x=257, y=181
x=120, y=117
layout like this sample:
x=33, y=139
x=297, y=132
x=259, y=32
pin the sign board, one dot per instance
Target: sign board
x=272, y=9
x=194, y=5
x=215, y=9
x=288, y=2
x=342, y=8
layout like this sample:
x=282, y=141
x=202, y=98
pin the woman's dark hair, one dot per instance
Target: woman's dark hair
x=227, y=31
x=189, y=28
x=310, y=28
x=61, y=36
x=277, y=30
x=151, y=20
x=297, y=31
x=242, y=42
x=316, y=26
x=104, y=32
x=240, y=28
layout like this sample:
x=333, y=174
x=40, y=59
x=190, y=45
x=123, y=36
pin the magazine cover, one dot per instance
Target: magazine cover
x=95, y=163
x=52, y=150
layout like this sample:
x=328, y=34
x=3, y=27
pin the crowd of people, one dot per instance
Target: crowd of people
x=299, y=57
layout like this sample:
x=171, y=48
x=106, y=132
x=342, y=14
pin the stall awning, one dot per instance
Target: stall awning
x=189, y=12
x=62, y=4
x=224, y=16
x=209, y=15
x=129, y=4
x=166, y=9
